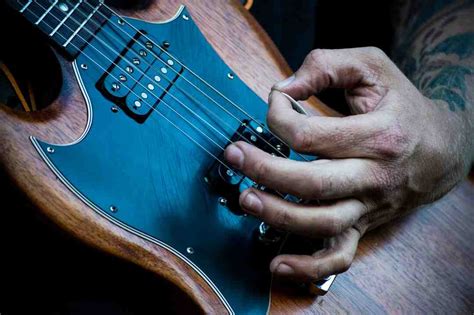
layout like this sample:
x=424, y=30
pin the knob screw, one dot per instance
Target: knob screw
x=223, y=201
x=267, y=234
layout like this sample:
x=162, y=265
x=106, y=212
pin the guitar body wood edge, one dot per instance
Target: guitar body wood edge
x=248, y=50
x=245, y=47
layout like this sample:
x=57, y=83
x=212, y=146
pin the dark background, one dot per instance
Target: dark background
x=298, y=26
x=44, y=271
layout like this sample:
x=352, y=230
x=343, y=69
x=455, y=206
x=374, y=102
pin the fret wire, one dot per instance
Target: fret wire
x=162, y=100
x=234, y=104
x=65, y=18
x=82, y=24
x=26, y=6
x=46, y=12
x=189, y=96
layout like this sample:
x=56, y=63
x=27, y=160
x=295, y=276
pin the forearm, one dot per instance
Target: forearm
x=435, y=48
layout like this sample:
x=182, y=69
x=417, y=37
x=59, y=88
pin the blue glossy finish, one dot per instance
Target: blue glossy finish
x=154, y=175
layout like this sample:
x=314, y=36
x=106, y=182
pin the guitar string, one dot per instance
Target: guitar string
x=257, y=134
x=141, y=72
x=200, y=79
x=160, y=113
x=157, y=97
x=137, y=81
x=202, y=106
x=151, y=107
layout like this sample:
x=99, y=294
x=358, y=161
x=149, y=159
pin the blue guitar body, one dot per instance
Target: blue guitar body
x=146, y=180
x=149, y=177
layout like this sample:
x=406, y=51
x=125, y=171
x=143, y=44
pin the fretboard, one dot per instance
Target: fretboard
x=69, y=23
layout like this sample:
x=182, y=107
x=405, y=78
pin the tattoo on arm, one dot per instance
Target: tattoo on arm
x=435, y=49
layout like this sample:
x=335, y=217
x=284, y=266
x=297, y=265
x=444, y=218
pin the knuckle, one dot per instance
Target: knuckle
x=377, y=63
x=314, y=273
x=302, y=138
x=383, y=182
x=318, y=62
x=320, y=185
x=345, y=261
x=316, y=56
x=272, y=117
x=391, y=143
x=380, y=177
x=376, y=53
x=282, y=220
x=334, y=225
x=260, y=170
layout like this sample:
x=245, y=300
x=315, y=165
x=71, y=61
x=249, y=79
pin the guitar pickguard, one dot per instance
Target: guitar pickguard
x=149, y=178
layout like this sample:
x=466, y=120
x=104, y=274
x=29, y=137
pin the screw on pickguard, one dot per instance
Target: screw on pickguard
x=139, y=78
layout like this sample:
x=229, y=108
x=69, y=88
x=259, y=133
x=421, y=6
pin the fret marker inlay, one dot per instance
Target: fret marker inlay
x=65, y=18
x=63, y=7
x=82, y=25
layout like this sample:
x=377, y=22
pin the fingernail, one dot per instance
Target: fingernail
x=284, y=83
x=235, y=156
x=284, y=270
x=252, y=204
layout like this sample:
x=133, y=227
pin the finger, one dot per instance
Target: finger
x=306, y=220
x=331, y=180
x=336, y=137
x=333, y=260
x=339, y=68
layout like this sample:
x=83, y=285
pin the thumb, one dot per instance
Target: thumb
x=340, y=68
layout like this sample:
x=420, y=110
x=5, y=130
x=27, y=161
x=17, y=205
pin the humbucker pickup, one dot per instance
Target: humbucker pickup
x=139, y=78
x=228, y=182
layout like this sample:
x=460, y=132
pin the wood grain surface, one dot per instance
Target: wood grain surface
x=421, y=263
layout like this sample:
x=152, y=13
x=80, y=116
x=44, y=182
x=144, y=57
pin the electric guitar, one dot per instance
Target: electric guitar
x=129, y=157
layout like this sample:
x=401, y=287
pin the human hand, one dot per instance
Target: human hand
x=398, y=151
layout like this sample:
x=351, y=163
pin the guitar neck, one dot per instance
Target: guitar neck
x=70, y=24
